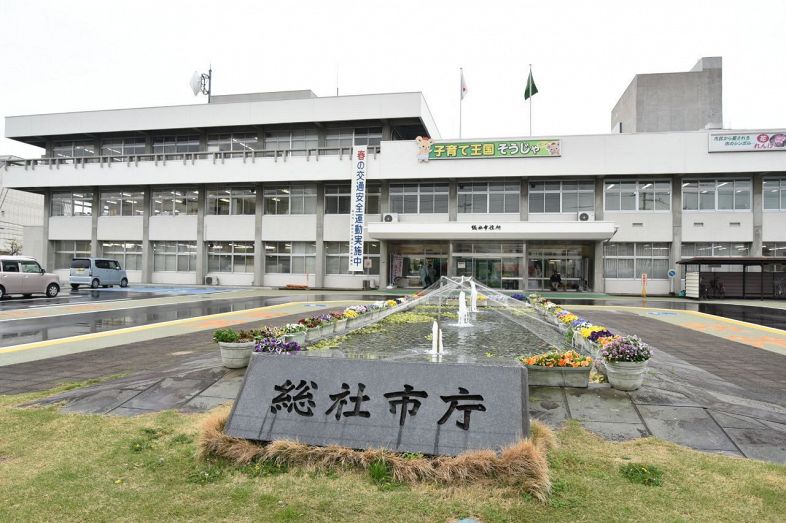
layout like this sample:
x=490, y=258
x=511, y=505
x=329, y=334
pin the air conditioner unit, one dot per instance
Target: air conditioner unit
x=211, y=280
x=586, y=216
x=390, y=217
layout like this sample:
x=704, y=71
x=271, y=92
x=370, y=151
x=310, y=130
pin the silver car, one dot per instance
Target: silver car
x=23, y=275
x=97, y=272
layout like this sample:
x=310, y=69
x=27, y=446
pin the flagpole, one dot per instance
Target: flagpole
x=530, y=100
x=461, y=95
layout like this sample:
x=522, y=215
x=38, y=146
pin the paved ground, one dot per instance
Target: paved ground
x=704, y=390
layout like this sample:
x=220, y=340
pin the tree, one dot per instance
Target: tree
x=14, y=247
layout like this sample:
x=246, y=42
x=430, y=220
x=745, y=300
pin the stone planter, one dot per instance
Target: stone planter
x=299, y=337
x=328, y=329
x=236, y=355
x=538, y=375
x=313, y=334
x=355, y=323
x=341, y=327
x=626, y=375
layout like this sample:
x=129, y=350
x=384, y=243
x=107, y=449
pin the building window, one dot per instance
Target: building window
x=291, y=199
x=174, y=256
x=339, y=138
x=290, y=257
x=710, y=195
x=72, y=204
x=419, y=198
x=278, y=140
x=122, y=203
x=337, y=199
x=174, y=202
x=774, y=249
x=73, y=150
x=571, y=196
x=641, y=195
x=303, y=140
x=128, y=253
x=488, y=197
x=368, y=136
x=775, y=194
x=631, y=260
x=67, y=250
x=230, y=257
x=233, y=201
x=337, y=257
x=175, y=144
x=690, y=250
x=232, y=142
x=123, y=147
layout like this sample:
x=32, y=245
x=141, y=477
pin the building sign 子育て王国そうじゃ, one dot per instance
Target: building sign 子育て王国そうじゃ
x=751, y=141
x=487, y=149
x=357, y=209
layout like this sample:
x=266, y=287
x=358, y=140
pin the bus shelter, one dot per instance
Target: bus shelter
x=735, y=277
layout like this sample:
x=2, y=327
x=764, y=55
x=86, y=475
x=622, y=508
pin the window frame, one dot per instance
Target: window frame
x=127, y=249
x=639, y=185
x=717, y=184
x=305, y=193
x=73, y=251
x=781, y=195
x=236, y=249
x=190, y=197
x=342, y=258
x=74, y=202
x=233, y=195
x=578, y=191
x=179, y=251
x=438, y=190
x=137, y=199
x=638, y=257
x=289, y=250
x=475, y=188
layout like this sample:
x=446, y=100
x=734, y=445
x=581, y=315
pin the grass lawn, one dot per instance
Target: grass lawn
x=69, y=467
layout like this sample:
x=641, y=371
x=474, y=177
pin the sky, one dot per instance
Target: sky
x=60, y=56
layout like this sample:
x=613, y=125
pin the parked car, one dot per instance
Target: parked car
x=24, y=275
x=97, y=272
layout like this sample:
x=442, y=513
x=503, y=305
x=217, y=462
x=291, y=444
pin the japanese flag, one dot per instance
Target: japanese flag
x=463, y=85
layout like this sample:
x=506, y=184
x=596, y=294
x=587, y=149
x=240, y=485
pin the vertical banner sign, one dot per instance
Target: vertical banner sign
x=357, y=208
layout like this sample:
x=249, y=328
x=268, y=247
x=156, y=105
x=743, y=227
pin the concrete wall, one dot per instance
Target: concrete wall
x=33, y=243
x=71, y=228
x=684, y=101
x=163, y=228
x=717, y=226
x=641, y=226
x=774, y=227
x=229, y=228
x=120, y=228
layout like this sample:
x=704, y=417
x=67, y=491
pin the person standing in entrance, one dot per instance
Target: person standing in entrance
x=424, y=275
x=556, y=281
x=432, y=274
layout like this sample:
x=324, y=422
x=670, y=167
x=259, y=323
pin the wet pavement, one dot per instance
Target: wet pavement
x=67, y=297
x=19, y=331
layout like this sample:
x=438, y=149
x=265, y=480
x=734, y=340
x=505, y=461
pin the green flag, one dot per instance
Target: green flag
x=531, y=89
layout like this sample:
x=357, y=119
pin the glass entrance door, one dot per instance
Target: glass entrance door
x=570, y=263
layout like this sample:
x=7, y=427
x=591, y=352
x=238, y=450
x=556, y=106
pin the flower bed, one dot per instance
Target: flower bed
x=558, y=369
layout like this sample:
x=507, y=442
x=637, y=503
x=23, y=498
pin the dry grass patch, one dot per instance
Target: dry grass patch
x=523, y=464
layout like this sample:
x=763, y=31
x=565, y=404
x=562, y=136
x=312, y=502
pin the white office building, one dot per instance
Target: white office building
x=256, y=190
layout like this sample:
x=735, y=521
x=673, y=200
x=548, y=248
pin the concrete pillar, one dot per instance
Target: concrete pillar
x=676, y=229
x=319, y=265
x=259, y=248
x=452, y=203
x=148, y=144
x=598, y=283
x=451, y=265
x=524, y=200
x=200, y=243
x=387, y=132
x=384, y=270
x=524, y=268
x=147, y=246
x=47, y=257
x=599, y=185
x=758, y=217
x=384, y=197
x=94, y=222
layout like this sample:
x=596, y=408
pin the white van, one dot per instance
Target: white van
x=24, y=275
x=96, y=272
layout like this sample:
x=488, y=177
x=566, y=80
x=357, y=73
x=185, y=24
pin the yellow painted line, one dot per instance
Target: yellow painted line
x=141, y=328
x=741, y=323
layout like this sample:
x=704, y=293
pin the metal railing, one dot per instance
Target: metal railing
x=190, y=157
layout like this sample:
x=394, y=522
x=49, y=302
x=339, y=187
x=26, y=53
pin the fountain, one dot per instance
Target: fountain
x=473, y=297
x=463, y=313
x=437, y=350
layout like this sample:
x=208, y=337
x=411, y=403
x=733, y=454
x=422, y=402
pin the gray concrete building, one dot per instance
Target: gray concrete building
x=668, y=102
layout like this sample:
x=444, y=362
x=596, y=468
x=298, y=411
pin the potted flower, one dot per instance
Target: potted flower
x=626, y=360
x=235, y=347
x=558, y=369
x=328, y=325
x=294, y=332
x=340, y=322
x=352, y=318
x=277, y=346
x=313, y=327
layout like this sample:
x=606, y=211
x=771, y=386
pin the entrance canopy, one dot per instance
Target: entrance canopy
x=491, y=230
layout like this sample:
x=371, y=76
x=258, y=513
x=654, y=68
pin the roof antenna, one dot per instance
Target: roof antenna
x=203, y=83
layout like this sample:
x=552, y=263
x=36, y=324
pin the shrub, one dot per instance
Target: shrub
x=649, y=475
x=379, y=470
x=626, y=348
x=226, y=336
